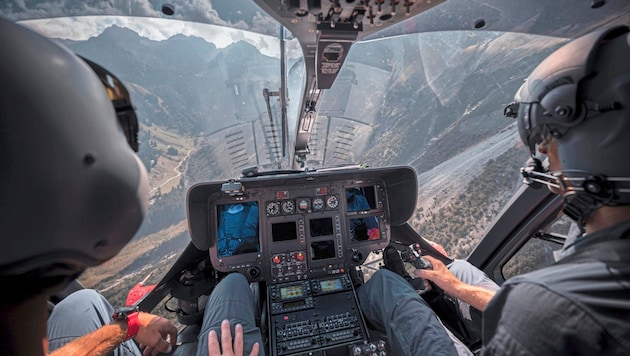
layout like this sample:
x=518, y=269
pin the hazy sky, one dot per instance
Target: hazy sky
x=82, y=28
x=81, y=19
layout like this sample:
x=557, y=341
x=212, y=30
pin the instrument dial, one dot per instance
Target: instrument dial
x=288, y=206
x=318, y=203
x=332, y=202
x=303, y=204
x=273, y=208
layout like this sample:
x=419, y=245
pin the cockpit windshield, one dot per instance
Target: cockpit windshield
x=207, y=86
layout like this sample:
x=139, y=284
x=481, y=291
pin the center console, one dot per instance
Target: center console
x=314, y=314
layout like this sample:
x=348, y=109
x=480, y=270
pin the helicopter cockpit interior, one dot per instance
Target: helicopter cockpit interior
x=375, y=81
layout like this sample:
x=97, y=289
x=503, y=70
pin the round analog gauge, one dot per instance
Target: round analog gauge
x=288, y=206
x=318, y=203
x=303, y=204
x=332, y=202
x=273, y=208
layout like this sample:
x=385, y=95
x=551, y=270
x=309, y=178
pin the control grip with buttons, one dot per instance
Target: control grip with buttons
x=413, y=255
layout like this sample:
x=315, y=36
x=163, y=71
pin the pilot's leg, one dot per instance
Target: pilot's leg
x=389, y=303
x=79, y=314
x=233, y=300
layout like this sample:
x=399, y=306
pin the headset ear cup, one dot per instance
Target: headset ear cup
x=561, y=104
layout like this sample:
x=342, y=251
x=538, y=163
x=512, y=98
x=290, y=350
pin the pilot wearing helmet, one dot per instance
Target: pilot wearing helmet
x=575, y=109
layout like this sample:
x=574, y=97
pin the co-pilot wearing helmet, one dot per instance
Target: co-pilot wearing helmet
x=72, y=194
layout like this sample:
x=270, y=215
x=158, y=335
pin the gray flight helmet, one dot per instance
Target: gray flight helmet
x=580, y=95
x=72, y=190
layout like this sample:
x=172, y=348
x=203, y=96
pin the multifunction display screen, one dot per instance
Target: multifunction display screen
x=291, y=292
x=331, y=285
x=284, y=231
x=237, y=230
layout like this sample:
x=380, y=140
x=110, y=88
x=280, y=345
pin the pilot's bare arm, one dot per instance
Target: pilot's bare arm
x=153, y=332
x=476, y=296
x=99, y=342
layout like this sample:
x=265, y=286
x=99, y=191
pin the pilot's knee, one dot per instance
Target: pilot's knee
x=459, y=265
x=88, y=297
x=84, y=304
x=233, y=283
x=463, y=269
x=384, y=277
x=235, y=278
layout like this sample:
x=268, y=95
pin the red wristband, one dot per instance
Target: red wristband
x=133, y=325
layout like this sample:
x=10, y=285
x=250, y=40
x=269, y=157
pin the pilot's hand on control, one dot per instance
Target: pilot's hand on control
x=155, y=335
x=226, y=342
x=440, y=274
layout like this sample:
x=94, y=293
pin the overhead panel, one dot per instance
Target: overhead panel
x=326, y=31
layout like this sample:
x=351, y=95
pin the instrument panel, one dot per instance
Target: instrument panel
x=289, y=227
x=299, y=232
